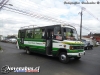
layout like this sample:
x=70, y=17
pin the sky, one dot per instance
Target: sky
x=10, y=22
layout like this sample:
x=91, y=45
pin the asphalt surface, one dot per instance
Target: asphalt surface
x=87, y=65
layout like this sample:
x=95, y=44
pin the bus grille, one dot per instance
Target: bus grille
x=78, y=47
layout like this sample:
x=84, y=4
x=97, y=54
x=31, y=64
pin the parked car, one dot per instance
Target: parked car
x=13, y=40
x=87, y=44
x=7, y=40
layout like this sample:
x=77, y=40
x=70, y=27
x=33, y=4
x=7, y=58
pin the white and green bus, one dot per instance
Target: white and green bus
x=55, y=40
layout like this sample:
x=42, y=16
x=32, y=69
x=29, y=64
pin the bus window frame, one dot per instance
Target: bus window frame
x=22, y=31
x=38, y=32
x=59, y=34
x=27, y=33
x=43, y=28
x=63, y=32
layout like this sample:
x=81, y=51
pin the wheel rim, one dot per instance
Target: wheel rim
x=63, y=57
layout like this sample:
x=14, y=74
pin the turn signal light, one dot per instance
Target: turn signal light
x=71, y=48
x=64, y=46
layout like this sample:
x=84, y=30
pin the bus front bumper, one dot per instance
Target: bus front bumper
x=76, y=54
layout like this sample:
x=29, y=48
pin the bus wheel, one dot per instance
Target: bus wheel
x=28, y=51
x=63, y=57
x=77, y=58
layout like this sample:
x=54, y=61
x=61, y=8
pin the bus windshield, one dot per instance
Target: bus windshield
x=70, y=34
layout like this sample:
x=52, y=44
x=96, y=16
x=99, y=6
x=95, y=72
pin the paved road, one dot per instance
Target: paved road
x=87, y=65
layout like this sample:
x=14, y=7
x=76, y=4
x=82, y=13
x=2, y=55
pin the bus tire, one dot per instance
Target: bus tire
x=28, y=51
x=63, y=57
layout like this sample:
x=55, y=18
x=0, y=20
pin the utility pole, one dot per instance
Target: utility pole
x=81, y=25
x=81, y=13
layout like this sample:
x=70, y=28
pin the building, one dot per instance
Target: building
x=95, y=36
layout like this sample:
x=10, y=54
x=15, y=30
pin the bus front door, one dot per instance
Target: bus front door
x=22, y=40
x=22, y=37
x=49, y=43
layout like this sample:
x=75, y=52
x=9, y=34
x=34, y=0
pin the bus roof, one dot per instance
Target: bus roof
x=36, y=26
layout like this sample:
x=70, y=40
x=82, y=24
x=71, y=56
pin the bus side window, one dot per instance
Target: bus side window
x=29, y=34
x=22, y=34
x=57, y=33
x=38, y=33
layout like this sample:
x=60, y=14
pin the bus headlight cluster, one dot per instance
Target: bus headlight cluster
x=71, y=47
x=64, y=46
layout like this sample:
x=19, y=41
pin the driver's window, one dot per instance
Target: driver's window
x=68, y=33
x=57, y=33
